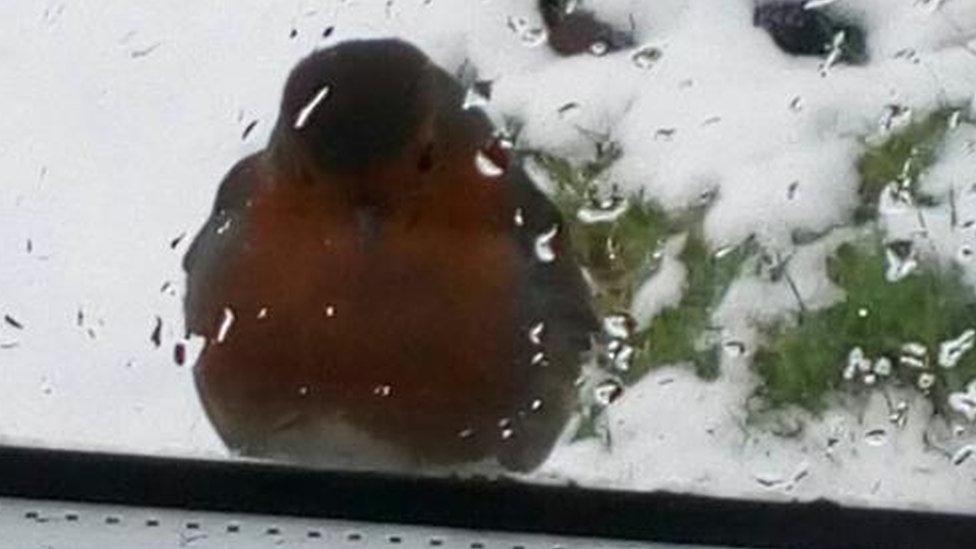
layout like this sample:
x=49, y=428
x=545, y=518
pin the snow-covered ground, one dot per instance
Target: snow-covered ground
x=118, y=119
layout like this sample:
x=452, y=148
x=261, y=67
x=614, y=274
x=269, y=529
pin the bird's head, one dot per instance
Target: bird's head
x=351, y=108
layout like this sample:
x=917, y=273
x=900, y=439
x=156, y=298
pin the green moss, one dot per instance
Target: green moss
x=902, y=157
x=675, y=333
x=617, y=252
x=801, y=364
x=620, y=255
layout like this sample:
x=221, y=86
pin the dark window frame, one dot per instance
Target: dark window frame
x=507, y=506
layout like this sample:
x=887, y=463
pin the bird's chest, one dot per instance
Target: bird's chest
x=364, y=310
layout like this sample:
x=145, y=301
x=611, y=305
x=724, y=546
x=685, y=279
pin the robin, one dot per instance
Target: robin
x=383, y=287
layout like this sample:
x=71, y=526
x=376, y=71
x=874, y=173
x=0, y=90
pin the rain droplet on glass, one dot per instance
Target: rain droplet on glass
x=607, y=392
x=303, y=115
x=225, y=324
x=646, y=57
x=529, y=35
x=544, y=250
x=963, y=454
x=539, y=359
x=603, y=211
x=536, y=331
x=876, y=437
x=519, y=217
x=473, y=99
x=926, y=380
x=952, y=350
x=619, y=325
x=487, y=166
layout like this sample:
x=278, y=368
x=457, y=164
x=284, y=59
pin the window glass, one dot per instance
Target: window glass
x=723, y=248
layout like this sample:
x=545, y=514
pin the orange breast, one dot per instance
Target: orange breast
x=410, y=337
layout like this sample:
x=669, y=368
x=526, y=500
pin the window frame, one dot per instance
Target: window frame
x=480, y=504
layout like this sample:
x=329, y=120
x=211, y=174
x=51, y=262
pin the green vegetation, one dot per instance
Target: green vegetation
x=675, y=333
x=802, y=363
x=931, y=305
x=619, y=250
x=892, y=331
x=901, y=158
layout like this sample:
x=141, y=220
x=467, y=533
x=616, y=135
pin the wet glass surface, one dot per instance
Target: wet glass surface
x=713, y=248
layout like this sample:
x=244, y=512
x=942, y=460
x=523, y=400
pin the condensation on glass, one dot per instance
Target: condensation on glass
x=724, y=249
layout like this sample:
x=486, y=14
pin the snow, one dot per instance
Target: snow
x=119, y=122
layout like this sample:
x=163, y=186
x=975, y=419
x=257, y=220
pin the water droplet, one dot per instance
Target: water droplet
x=607, y=392
x=383, y=390
x=156, y=336
x=507, y=434
x=303, y=115
x=474, y=98
x=646, y=57
x=487, y=166
x=529, y=35
x=914, y=355
x=539, y=359
x=466, y=433
x=599, y=48
x=876, y=437
x=926, y=380
x=536, y=331
x=734, y=348
x=603, y=211
x=330, y=311
x=519, y=217
x=952, y=350
x=835, y=50
x=901, y=260
x=224, y=226
x=895, y=117
x=965, y=402
x=965, y=254
x=225, y=324
x=263, y=313
x=796, y=104
x=568, y=110
x=536, y=405
x=954, y=118
x=856, y=362
x=899, y=414
x=814, y=4
x=622, y=358
x=724, y=251
x=544, y=250
x=179, y=354
x=883, y=366
x=963, y=454
x=862, y=312
x=303, y=390
x=619, y=325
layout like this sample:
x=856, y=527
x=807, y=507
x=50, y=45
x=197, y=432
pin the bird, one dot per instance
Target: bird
x=383, y=287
